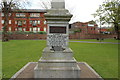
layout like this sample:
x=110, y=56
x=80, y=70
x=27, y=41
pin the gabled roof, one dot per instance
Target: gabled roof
x=29, y=10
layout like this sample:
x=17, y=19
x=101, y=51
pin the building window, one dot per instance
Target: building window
x=38, y=22
x=44, y=22
x=24, y=22
x=30, y=29
x=76, y=26
x=9, y=14
x=16, y=29
x=35, y=29
x=15, y=22
x=2, y=14
x=83, y=25
x=34, y=15
x=19, y=23
x=9, y=21
x=2, y=28
x=30, y=22
x=9, y=28
x=20, y=14
x=19, y=29
x=38, y=28
x=45, y=29
x=92, y=25
x=24, y=29
x=34, y=23
x=2, y=21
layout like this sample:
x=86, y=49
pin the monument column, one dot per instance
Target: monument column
x=57, y=60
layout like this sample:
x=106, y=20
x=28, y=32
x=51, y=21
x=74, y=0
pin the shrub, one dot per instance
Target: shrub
x=25, y=32
x=77, y=30
x=42, y=32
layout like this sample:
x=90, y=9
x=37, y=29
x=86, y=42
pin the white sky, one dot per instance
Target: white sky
x=81, y=9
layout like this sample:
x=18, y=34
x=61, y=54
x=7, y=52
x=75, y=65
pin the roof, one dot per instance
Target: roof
x=30, y=10
x=89, y=22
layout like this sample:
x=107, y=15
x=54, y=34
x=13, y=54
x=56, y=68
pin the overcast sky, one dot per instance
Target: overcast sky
x=81, y=9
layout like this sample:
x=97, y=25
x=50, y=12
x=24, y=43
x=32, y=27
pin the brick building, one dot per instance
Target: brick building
x=106, y=30
x=86, y=28
x=25, y=20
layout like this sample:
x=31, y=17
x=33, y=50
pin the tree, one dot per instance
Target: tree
x=45, y=4
x=109, y=12
x=77, y=30
x=8, y=6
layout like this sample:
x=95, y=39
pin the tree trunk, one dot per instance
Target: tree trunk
x=117, y=31
x=6, y=21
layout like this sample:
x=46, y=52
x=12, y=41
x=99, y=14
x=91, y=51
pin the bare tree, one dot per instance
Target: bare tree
x=45, y=4
x=9, y=6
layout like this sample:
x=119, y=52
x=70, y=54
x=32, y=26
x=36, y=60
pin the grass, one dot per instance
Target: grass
x=18, y=53
x=0, y=59
x=102, y=57
x=94, y=40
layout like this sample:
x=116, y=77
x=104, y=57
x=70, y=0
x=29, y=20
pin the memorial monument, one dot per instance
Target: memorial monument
x=57, y=59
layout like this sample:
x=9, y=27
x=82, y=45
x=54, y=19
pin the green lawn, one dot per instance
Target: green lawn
x=0, y=59
x=102, y=57
x=94, y=40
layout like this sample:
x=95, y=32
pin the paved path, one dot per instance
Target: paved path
x=94, y=42
x=27, y=73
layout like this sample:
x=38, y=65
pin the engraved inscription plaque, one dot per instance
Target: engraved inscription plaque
x=58, y=29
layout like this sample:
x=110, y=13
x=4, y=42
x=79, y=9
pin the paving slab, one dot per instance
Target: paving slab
x=27, y=72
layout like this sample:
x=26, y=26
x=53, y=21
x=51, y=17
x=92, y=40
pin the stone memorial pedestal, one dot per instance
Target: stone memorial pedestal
x=57, y=59
x=58, y=64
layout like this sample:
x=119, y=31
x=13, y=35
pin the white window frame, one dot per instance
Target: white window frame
x=20, y=14
x=38, y=29
x=92, y=25
x=10, y=21
x=45, y=29
x=19, y=23
x=38, y=21
x=3, y=21
x=16, y=29
x=35, y=22
x=9, y=14
x=30, y=29
x=2, y=14
x=31, y=21
x=24, y=29
x=19, y=28
x=34, y=29
x=15, y=22
x=10, y=29
x=24, y=22
x=35, y=15
x=45, y=22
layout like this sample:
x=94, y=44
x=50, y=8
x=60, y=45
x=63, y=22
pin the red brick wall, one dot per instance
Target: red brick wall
x=71, y=36
x=90, y=36
x=29, y=36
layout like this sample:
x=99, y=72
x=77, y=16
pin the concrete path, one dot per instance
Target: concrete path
x=94, y=42
x=27, y=73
